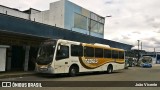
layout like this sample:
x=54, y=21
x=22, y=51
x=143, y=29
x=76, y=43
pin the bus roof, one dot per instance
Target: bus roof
x=96, y=45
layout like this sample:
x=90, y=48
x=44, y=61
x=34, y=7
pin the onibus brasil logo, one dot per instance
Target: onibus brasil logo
x=20, y=84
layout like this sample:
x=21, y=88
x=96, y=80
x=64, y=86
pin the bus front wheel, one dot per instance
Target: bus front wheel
x=73, y=71
x=110, y=69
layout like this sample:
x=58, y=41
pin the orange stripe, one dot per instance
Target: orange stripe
x=92, y=63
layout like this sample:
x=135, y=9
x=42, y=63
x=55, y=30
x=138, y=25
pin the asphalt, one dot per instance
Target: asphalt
x=24, y=73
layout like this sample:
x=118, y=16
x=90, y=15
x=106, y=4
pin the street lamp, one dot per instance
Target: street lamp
x=90, y=27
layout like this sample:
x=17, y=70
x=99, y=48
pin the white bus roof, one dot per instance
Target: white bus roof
x=102, y=45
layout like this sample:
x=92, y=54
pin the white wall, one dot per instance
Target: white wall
x=2, y=57
x=56, y=16
x=41, y=17
x=12, y=12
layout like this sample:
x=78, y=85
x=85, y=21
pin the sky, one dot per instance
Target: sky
x=130, y=20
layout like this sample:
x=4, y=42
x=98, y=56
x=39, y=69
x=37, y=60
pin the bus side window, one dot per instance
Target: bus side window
x=107, y=53
x=76, y=50
x=99, y=52
x=114, y=54
x=121, y=55
x=62, y=52
x=88, y=51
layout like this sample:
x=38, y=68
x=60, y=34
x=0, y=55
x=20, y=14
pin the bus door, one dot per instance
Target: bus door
x=61, y=59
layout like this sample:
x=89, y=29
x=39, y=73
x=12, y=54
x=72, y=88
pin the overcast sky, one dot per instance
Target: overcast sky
x=131, y=20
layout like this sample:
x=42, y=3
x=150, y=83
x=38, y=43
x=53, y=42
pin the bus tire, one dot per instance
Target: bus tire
x=73, y=71
x=110, y=69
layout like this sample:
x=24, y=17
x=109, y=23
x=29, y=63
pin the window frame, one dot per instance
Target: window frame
x=79, y=16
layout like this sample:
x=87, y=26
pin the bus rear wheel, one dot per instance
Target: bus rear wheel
x=110, y=69
x=73, y=71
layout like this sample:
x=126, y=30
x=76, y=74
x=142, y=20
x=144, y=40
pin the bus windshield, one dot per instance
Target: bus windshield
x=147, y=59
x=46, y=52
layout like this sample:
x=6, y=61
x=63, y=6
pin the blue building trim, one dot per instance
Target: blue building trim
x=19, y=25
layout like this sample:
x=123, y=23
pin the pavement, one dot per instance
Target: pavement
x=26, y=73
x=156, y=64
x=16, y=74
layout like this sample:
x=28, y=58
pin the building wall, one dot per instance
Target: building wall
x=70, y=10
x=54, y=16
x=12, y=12
x=2, y=58
x=34, y=11
x=62, y=14
x=57, y=14
x=42, y=17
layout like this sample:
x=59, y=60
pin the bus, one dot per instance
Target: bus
x=155, y=57
x=146, y=61
x=71, y=57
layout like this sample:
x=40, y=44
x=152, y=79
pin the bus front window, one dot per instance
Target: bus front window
x=46, y=53
x=147, y=59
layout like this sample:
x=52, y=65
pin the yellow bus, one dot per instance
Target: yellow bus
x=64, y=56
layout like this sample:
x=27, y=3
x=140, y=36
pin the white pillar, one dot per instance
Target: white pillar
x=3, y=57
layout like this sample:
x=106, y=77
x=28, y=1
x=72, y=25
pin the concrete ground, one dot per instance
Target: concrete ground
x=131, y=74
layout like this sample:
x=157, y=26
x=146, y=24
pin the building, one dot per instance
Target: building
x=64, y=14
x=22, y=36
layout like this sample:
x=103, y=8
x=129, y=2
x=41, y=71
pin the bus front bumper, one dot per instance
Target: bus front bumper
x=146, y=65
x=48, y=70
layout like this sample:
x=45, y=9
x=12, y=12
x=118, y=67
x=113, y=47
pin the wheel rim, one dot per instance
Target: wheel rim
x=73, y=71
x=110, y=70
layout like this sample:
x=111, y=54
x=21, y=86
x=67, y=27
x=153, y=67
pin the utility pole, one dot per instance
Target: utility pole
x=138, y=51
x=138, y=44
x=141, y=45
x=154, y=50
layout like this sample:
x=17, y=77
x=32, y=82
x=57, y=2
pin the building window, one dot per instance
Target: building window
x=101, y=28
x=80, y=21
x=96, y=27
